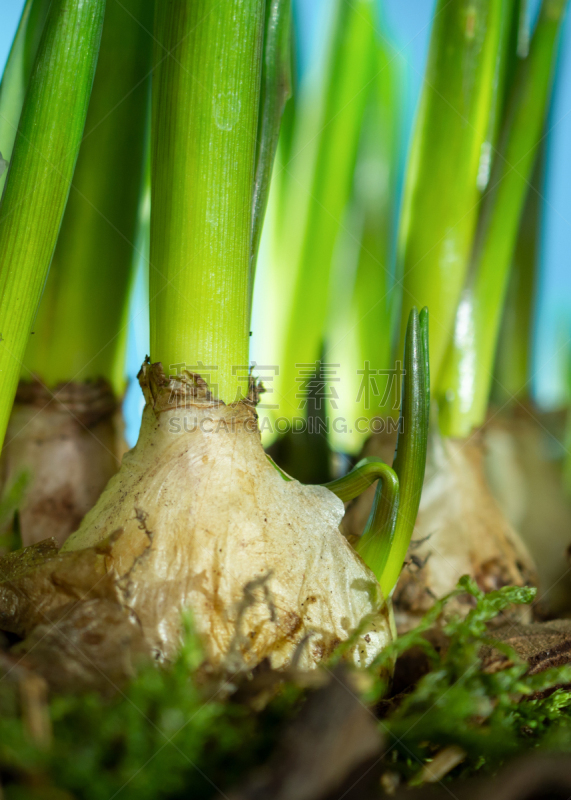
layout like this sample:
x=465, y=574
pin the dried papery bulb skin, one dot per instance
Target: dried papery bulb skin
x=524, y=467
x=71, y=443
x=68, y=610
x=460, y=530
x=198, y=518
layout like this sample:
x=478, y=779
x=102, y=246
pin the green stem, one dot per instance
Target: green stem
x=360, y=330
x=363, y=475
x=17, y=73
x=40, y=173
x=512, y=370
x=410, y=458
x=448, y=162
x=374, y=546
x=385, y=540
x=206, y=87
x=320, y=182
x=379, y=531
x=513, y=46
x=77, y=335
x=276, y=89
x=464, y=386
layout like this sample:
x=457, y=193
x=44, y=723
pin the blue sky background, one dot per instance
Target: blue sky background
x=10, y=11
x=408, y=23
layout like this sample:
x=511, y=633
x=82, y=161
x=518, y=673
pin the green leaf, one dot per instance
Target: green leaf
x=40, y=173
x=364, y=296
x=447, y=164
x=513, y=358
x=329, y=120
x=17, y=75
x=410, y=457
x=276, y=90
x=79, y=333
x=464, y=386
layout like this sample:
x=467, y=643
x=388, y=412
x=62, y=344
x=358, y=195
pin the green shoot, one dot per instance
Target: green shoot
x=40, y=173
x=410, y=457
x=364, y=474
x=276, y=89
x=448, y=162
x=360, y=328
x=320, y=184
x=513, y=356
x=206, y=87
x=17, y=74
x=513, y=46
x=464, y=386
x=77, y=334
x=374, y=544
x=384, y=542
x=517, y=47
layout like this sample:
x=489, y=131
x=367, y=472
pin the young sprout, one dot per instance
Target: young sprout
x=459, y=250
x=385, y=540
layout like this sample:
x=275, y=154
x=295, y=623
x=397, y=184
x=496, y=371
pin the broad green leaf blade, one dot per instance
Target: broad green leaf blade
x=450, y=151
x=40, y=173
x=276, y=89
x=206, y=87
x=77, y=334
x=17, y=74
x=464, y=386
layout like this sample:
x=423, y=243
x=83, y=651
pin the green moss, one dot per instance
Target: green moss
x=166, y=735
x=492, y=716
x=171, y=734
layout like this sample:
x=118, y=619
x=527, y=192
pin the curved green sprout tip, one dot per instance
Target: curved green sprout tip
x=383, y=517
x=389, y=528
x=363, y=475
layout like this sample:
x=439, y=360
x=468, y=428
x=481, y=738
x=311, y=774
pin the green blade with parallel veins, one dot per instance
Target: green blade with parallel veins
x=464, y=385
x=448, y=163
x=40, y=174
x=16, y=76
x=78, y=333
x=276, y=90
